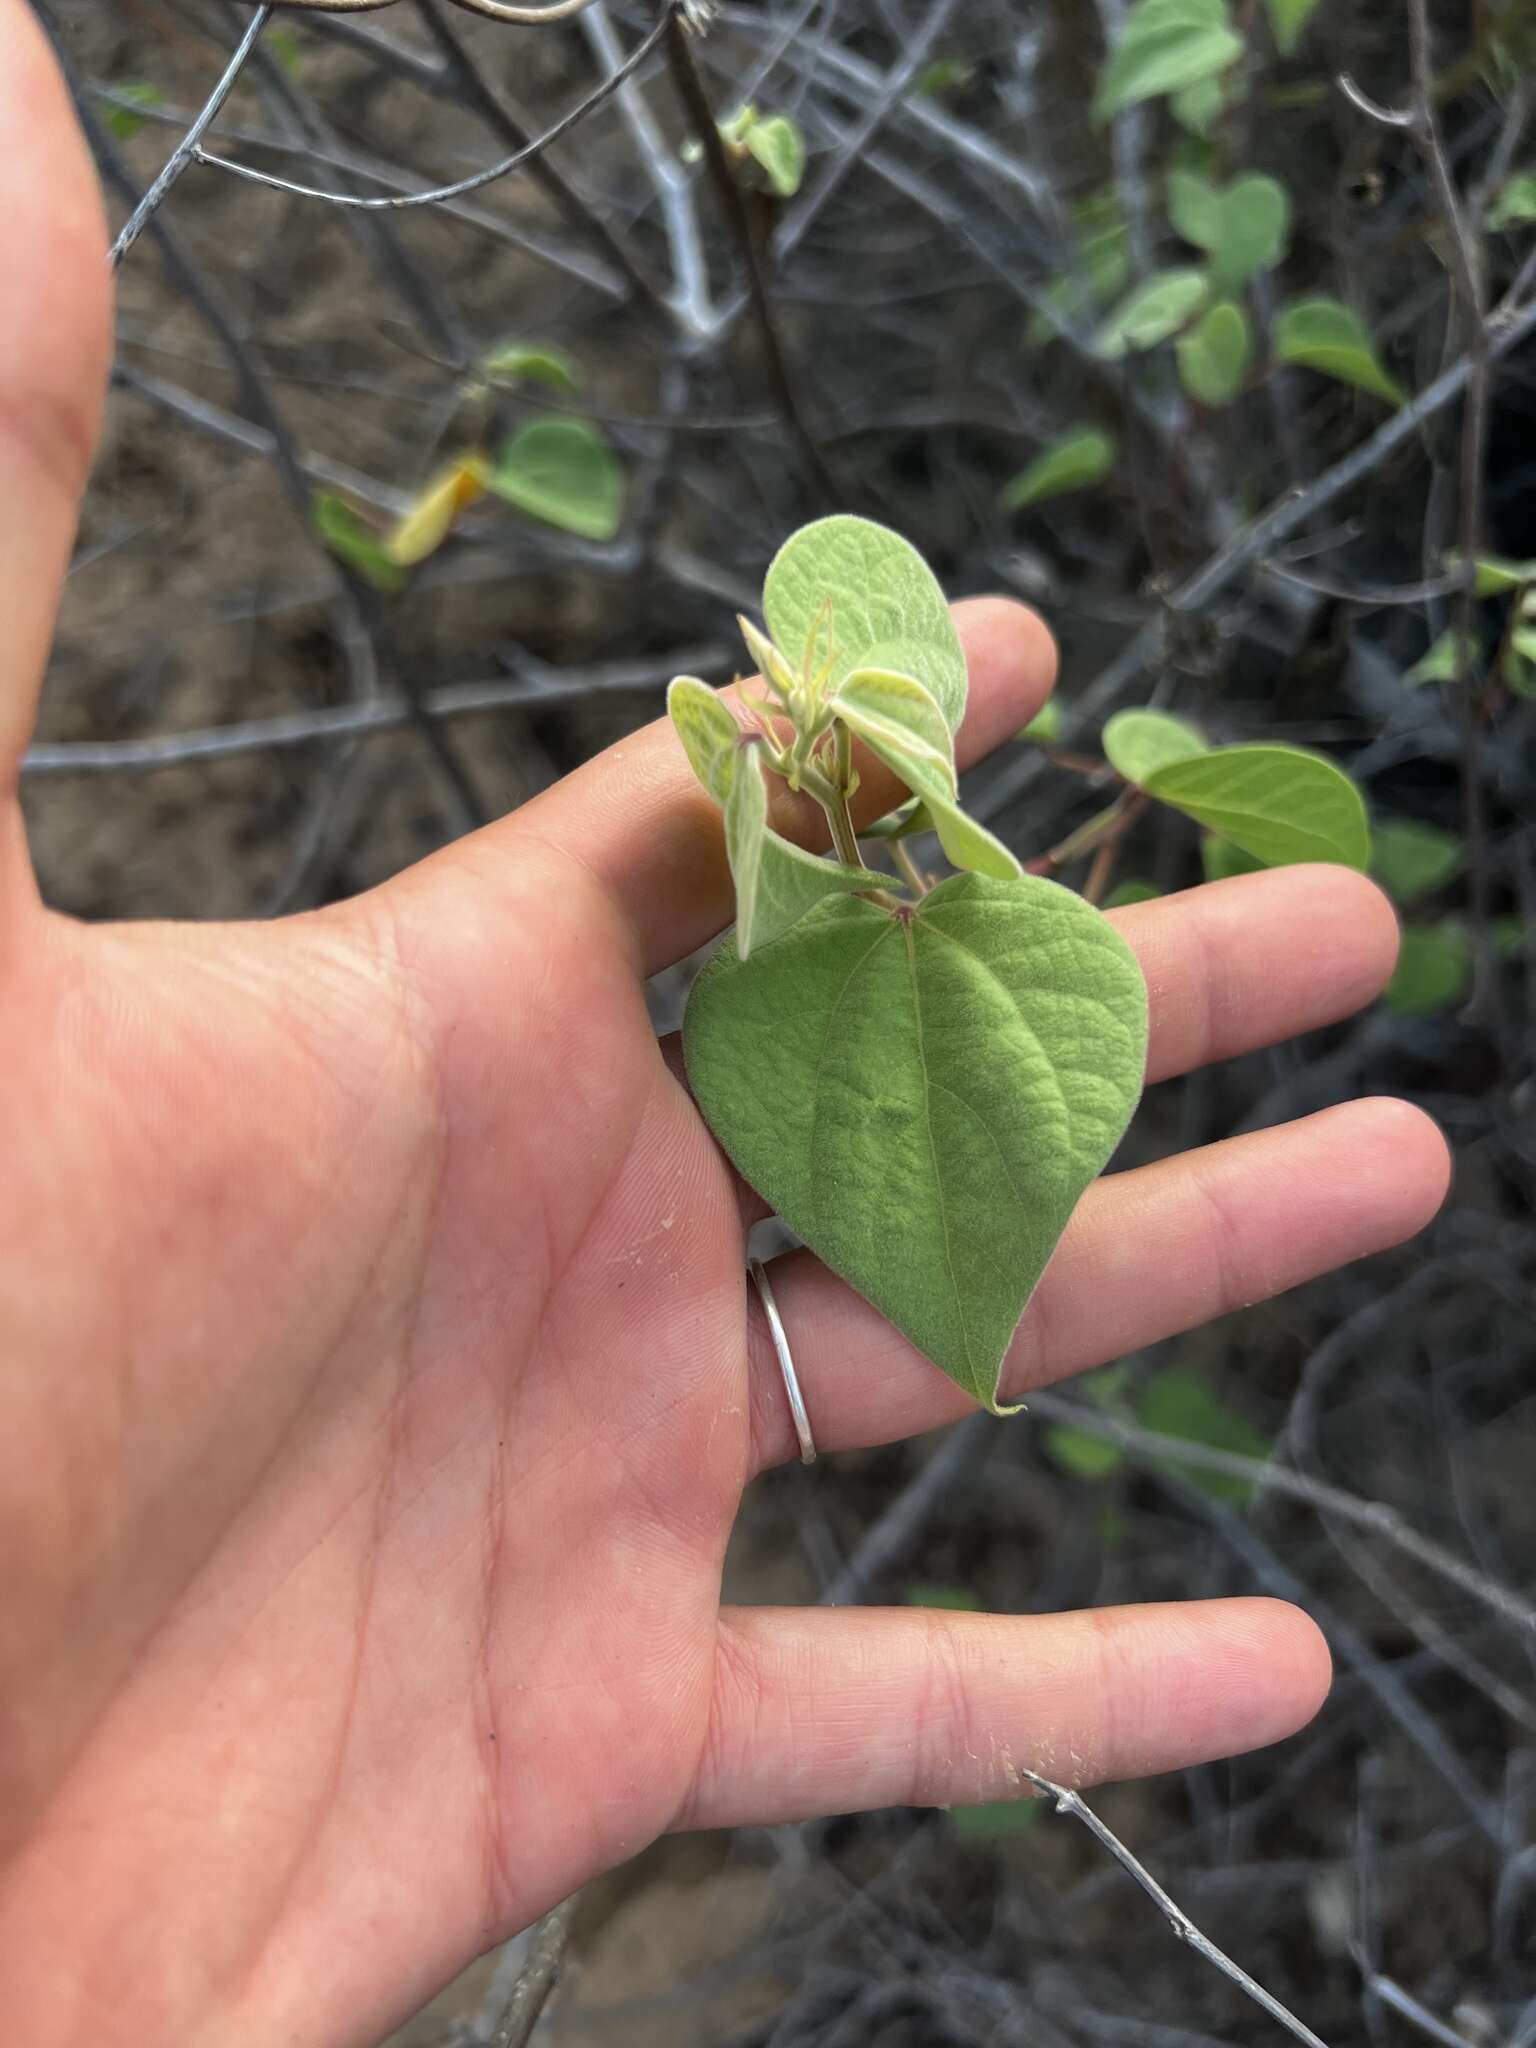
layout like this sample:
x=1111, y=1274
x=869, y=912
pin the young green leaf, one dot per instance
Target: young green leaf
x=923, y=1095
x=709, y=731
x=1213, y=355
x=563, y=472
x=1166, y=46
x=532, y=363
x=284, y=45
x=777, y=882
x=123, y=122
x=354, y=542
x=1243, y=228
x=779, y=147
x=904, y=823
x=1520, y=661
x=1496, y=575
x=1409, y=859
x=1137, y=743
x=878, y=599
x=1280, y=804
x=1514, y=205
x=1167, y=301
x=995, y=1817
x=1045, y=726
x=966, y=843
x=899, y=716
x=1448, y=659
x=1073, y=463
x=943, y=75
x=1197, y=108
x=955, y=1599
x=1083, y=1455
x=1320, y=334
x=1127, y=893
x=1179, y=1404
x=1432, y=972
x=1287, y=20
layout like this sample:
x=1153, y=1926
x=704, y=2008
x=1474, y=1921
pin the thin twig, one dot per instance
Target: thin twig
x=187, y=149
x=393, y=202
x=695, y=99
x=672, y=185
x=537, y=1978
x=1372, y=1515
x=1184, y=1929
x=535, y=689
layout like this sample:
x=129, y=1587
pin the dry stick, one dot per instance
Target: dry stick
x=393, y=177
x=1508, y=326
x=1184, y=1929
x=1467, y=275
x=893, y=89
x=528, y=156
x=186, y=149
x=467, y=809
x=1375, y=1516
x=537, y=1978
x=464, y=75
x=1391, y=1694
x=377, y=236
x=536, y=689
x=671, y=183
x=695, y=99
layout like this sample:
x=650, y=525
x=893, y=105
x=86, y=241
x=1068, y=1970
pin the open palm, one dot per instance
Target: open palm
x=380, y=1380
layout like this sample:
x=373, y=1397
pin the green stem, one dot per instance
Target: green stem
x=839, y=817
x=911, y=873
x=844, y=838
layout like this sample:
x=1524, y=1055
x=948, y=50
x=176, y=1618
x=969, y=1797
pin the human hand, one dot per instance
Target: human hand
x=381, y=1381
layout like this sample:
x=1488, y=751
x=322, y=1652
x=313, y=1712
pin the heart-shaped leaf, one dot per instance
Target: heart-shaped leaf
x=897, y=713
x=777, y=882
x=1213, y=355
x=1165, y=46
x=924, y=1094
x=1323, y=335
x=1433, y=968
x=1157, y=309
x=563, y=472
x=1243, y=226
x=857, y=588
x=1410, y=859
x=1070, y=464
x=1280, y=804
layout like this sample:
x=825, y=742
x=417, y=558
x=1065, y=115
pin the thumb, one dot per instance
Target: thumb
x=55, y=335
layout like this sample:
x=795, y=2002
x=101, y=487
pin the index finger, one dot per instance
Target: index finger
x=636, y=819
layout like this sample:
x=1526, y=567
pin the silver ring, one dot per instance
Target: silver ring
x=759, y=1273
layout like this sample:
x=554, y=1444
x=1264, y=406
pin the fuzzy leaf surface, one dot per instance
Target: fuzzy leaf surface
x=923, y=1096
x=897, y=713
x=777, y=882
x=884, y=603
